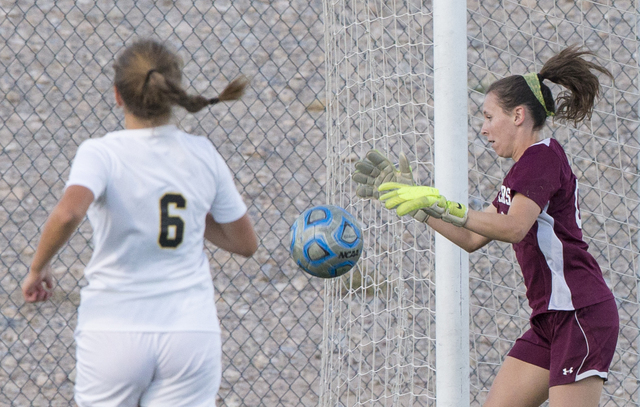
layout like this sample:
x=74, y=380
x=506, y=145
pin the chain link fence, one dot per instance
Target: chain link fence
x=518, y=37
x=56, y=81
x=380, y=340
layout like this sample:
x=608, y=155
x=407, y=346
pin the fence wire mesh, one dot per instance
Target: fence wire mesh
x=56, y=81
x=517, y=37
x=380, y=94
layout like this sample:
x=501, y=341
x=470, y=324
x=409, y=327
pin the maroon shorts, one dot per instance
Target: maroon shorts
x=572, y=345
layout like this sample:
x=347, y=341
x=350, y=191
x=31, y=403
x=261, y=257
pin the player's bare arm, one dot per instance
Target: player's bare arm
x=60, y=225
x=236, y=237
x=464, y=238
x=511, y=227
x=484, y=226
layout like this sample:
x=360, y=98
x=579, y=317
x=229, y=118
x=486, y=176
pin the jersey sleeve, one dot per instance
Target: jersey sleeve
x=228, y=205
x=90, y=168
x=538, y=175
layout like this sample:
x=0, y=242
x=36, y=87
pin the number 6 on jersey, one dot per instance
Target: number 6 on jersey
x=171, y=227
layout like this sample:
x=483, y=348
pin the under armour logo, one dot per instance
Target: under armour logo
x=567, y=371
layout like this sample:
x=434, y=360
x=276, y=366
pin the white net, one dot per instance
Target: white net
x=379, y=319
x=379, y=332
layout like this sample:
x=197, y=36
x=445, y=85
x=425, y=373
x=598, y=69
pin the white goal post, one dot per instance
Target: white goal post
x=381, y=321
x=451, y=178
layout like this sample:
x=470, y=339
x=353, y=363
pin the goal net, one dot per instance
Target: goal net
x=379, y=324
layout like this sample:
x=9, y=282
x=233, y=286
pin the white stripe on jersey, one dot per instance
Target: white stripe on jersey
x=551, y=248
x=546, y=142
x=575, y=204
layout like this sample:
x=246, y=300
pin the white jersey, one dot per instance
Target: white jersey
x=152, y=190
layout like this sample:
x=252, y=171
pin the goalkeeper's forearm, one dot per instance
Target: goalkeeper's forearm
x=482, y=227
x=460, y=236
x=511, y=227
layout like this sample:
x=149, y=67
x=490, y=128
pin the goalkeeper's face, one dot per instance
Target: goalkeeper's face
x=498, y=126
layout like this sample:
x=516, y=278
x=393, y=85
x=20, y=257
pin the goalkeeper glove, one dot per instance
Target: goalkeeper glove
x=407, y=199
x=376, y=169
x=456, y=213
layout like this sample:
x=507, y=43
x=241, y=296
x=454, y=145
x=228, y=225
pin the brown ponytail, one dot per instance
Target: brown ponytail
x=573, y=73
x=567, y=69
x=149, y=76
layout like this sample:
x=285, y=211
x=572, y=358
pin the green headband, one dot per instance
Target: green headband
x=534, y=85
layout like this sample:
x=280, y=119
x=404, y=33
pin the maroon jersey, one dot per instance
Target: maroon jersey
x=558, y=271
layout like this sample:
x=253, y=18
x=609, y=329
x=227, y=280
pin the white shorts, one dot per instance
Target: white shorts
x=147, y=368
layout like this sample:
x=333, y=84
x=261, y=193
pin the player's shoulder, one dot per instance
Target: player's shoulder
x=547, y=149
x=195, y=140
x=112, y=137
x=542, y=146
x=199, y=145
x=98, y=144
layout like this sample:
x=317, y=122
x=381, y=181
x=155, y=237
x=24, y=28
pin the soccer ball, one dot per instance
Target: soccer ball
x=326, y=241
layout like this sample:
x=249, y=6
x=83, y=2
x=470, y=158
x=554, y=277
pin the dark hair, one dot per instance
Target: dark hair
x=567, y=69
x=149, y=76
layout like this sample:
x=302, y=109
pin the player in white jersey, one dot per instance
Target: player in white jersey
x=566, y=354
x=147, y=333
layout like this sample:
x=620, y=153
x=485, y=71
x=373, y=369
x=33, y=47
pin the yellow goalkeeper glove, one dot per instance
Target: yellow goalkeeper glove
x=376, y=169
x=456, y=213
x=406, y=199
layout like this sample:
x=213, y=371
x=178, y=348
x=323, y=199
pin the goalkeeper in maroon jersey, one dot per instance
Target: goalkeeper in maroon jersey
x=566, y=353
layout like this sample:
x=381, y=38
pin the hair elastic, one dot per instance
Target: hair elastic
x=534, y=84
x=146, y=80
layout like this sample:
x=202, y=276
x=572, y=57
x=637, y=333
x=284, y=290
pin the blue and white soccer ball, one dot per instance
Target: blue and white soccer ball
x=326, y=241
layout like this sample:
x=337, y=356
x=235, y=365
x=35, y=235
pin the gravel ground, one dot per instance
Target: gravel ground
x=388, y=73
x=57, y=83
x=56, y=77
